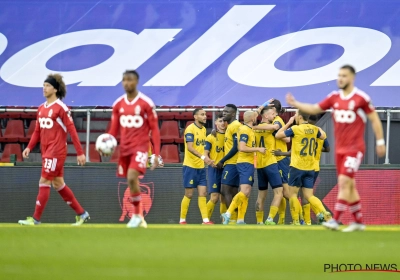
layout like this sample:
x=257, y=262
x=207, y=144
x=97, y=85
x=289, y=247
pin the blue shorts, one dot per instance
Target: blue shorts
x=230, y=175
x=316, y=173
x=301, y=178
x=214, y=180
x=271, y=175
x=246, y=173
x=283, y=166
x=194, y=177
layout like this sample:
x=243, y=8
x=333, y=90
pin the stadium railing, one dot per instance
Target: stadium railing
x=386, y=111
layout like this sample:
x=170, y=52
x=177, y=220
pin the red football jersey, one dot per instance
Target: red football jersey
x=135, y=119
x=53, y=123
x=349, y=117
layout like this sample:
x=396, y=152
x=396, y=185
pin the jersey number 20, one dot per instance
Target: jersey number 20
x=308, y=144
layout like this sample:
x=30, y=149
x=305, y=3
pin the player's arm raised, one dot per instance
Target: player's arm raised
x=378, y=131
x=284, y=131
x=69, y=122
x=34, y=140
x=312, y=109
x=155, y=135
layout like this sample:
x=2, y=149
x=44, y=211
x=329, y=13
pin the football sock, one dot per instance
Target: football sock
x=210, y=208
x=222, y=208
x=317, y=204
x=202, y=200
x=243, y=208
x=68, y=196
x=41, y=200
x=260, y=217
x=340, y=207
x=307, y=213
x=355, y=210
x=282, y=211
x=136, y=200
x=272, y=212
x=184, y=207
x=295, y=209
x=236, y=201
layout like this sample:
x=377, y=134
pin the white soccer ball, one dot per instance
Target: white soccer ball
x=151, y=160
x=106, y=144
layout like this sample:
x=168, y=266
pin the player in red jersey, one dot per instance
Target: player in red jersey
x=351, y=108
x=135, y=116
x=53, y=123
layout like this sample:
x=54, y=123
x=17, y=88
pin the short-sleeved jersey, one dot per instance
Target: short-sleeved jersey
x=135, y=119
x=197, y=135
x=265, y=139
x=216, y=146
x=279, y=144
x=319, y=145
x=246, y=135
x=304, y=138
x=349, y=117
x=230, y=136
x=53, y=123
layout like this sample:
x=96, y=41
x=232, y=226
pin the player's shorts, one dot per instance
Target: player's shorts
x=283, y=166
x=246, y=173
x=301, y=178
x=316, y=173
x=52, y=168
x=230, y=175
x=214, y=180
x=348, y=164
x=137, y=161
x=194, y=177
x=271, y=175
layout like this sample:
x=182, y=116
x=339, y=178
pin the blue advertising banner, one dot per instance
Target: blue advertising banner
x=208, y=52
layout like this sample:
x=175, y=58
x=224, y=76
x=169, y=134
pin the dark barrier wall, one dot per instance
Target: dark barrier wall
x=102, y=194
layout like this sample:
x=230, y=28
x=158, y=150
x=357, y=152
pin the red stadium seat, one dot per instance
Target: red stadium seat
x=10, y=149
x=115, y=155
x=170, y=153
x=166, y=115
x=169, y=131
x=184, y=116
x=94, y=155
x=31, y=129
x=188, y=123
x=14, y=131
x=180, y=139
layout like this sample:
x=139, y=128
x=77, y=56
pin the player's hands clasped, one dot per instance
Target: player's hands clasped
x=381, y=150
x=81, y=160
x=26, y=152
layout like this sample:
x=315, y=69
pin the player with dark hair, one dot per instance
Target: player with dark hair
x=214, y=151
x=351, y=109
x=194, y=174
x=53, y=123
x=134, y=115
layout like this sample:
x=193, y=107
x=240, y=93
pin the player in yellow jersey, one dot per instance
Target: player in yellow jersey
x=301, y=173
x=214, y=151
x=194, y=174
x=245, y=167
x=267, y=167
x=230, y=174
x=280, y=152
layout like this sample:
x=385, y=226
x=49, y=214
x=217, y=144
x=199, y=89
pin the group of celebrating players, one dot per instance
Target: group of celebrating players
x=232, y=152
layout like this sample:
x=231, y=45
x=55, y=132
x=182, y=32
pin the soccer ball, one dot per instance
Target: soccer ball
x=106, y=144
x=151, y=160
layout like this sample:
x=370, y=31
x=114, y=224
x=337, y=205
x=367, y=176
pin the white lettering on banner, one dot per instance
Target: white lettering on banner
x=28, y=67
x=46, y=123
x=131, y=121
x=363, y=47
x=344, y=116
x=390, y=77
x=3, y=43
x=211, y=45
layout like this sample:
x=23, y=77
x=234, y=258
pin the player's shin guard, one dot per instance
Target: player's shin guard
x=210, y=208
x=41, y=200
x=340, y=208
x=222, y=208
x=260, y=217
x=282, y=211
x=203, y=208
x=184, y=207
x=69, y=197
x=295, y=209
x=242, y=209
x=307, y=213
x=315, y=202
x=355, y=210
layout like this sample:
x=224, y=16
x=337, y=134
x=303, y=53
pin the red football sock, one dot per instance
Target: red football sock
x=136, y=200
x=41, y=200
x=340, y=207
x=68, y=196
x=355, y=209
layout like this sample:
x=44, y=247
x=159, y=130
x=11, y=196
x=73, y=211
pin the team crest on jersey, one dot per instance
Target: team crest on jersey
x=352, y=104
x=50, y=113
x=121, y=110
x=336, y=105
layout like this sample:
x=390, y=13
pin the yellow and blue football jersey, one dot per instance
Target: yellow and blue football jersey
x=197, y=135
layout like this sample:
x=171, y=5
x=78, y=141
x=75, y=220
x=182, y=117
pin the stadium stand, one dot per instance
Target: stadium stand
x=169, y=131
x=170, y=153
x=10, y=149
x=14, y=131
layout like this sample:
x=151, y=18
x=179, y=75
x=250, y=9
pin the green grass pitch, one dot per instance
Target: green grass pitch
x=96, y=251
